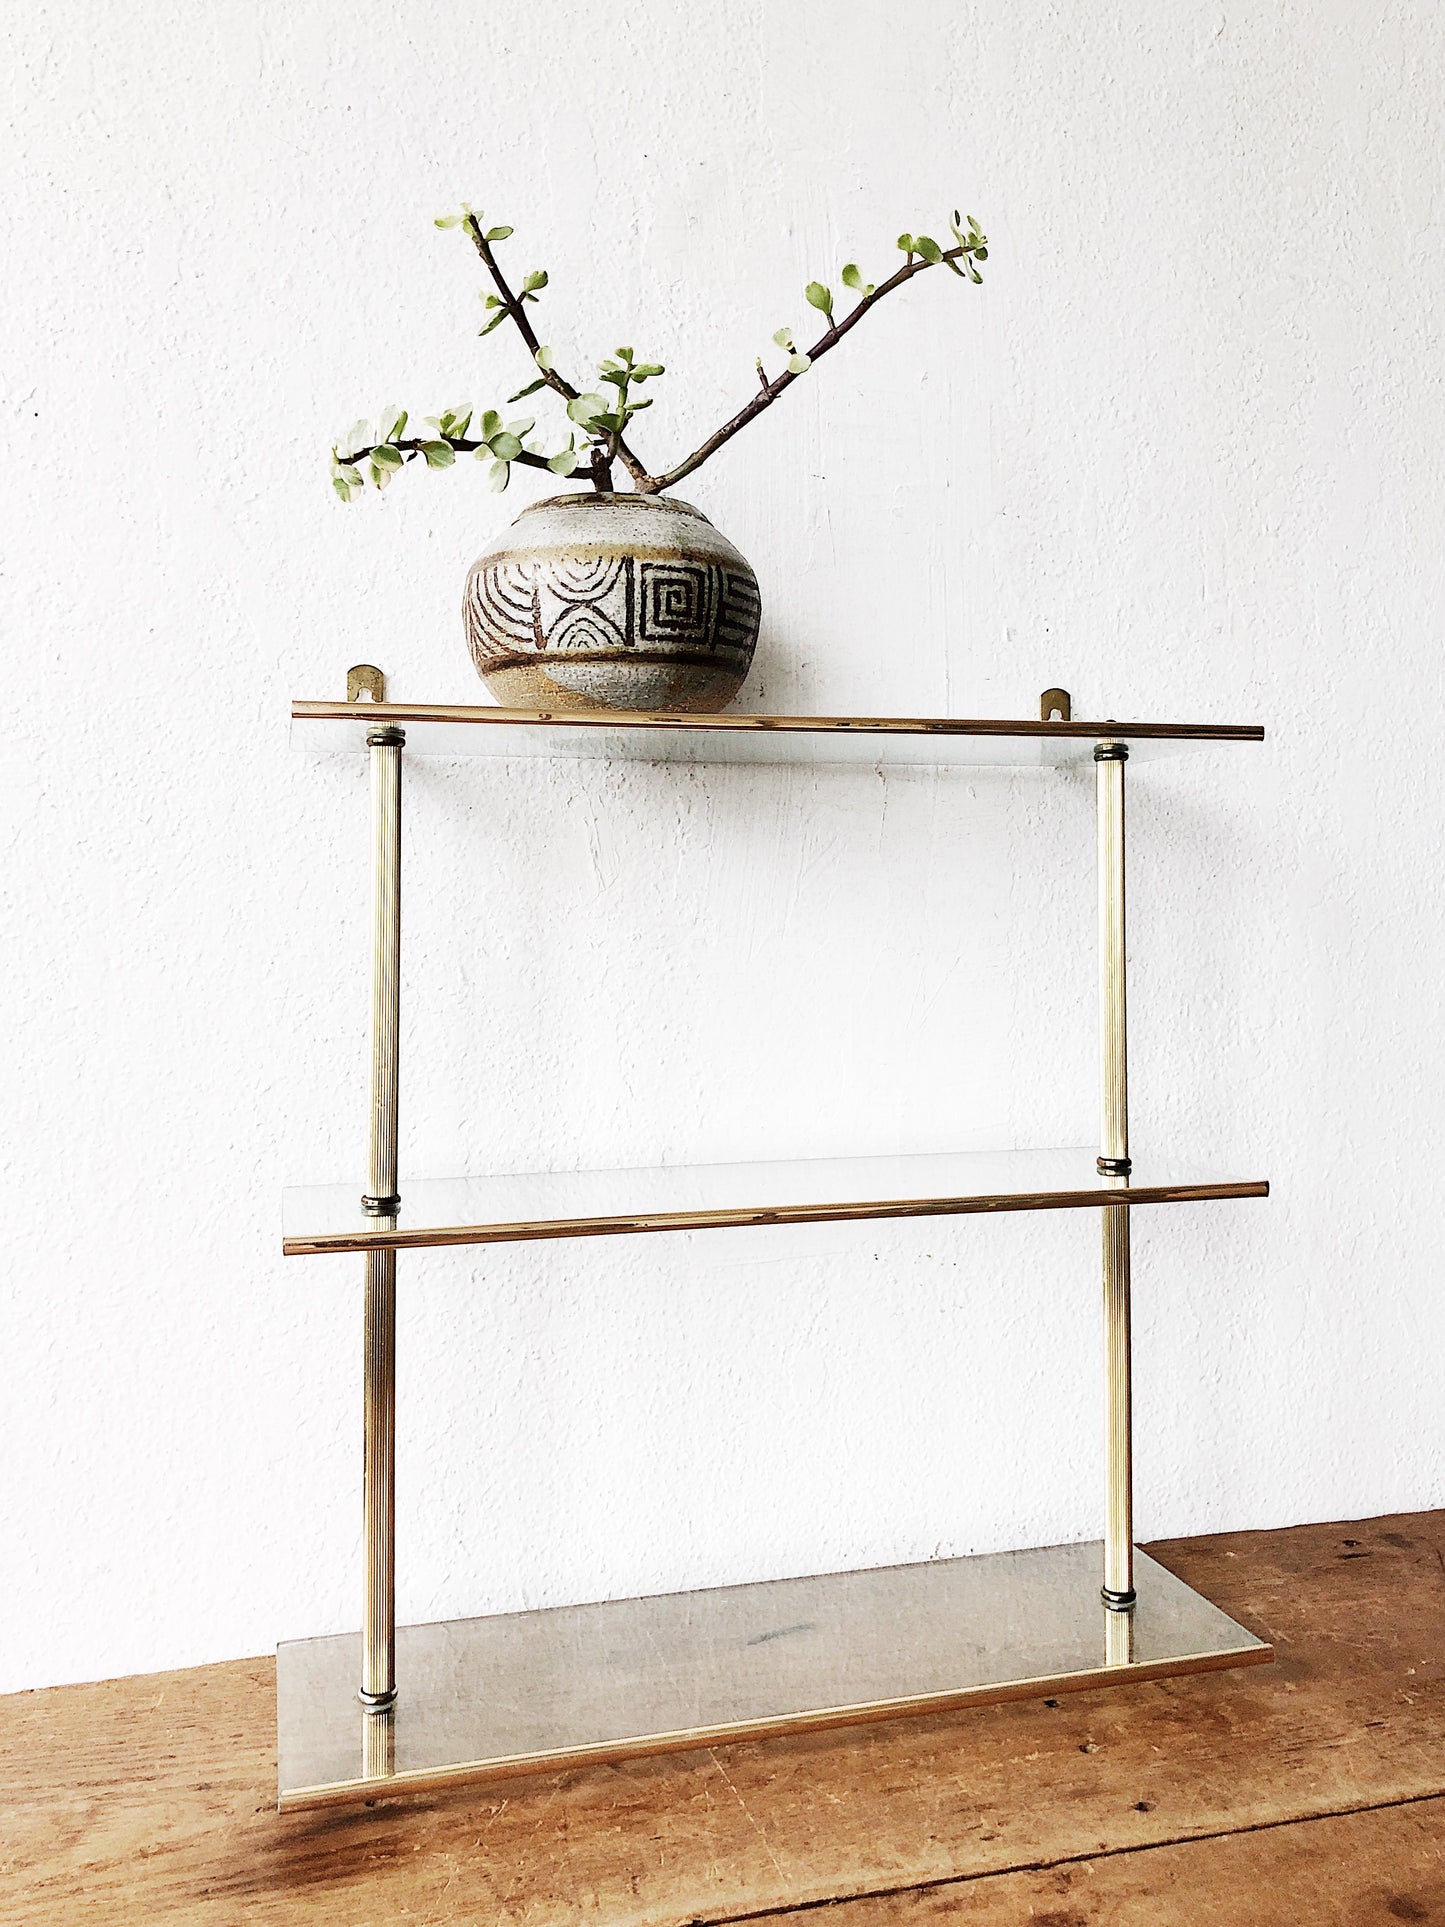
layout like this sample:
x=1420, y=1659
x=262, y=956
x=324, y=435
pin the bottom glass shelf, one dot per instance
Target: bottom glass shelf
x=485, y=1699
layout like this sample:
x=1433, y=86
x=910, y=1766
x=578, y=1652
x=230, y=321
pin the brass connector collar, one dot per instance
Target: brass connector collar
x=1111, y=752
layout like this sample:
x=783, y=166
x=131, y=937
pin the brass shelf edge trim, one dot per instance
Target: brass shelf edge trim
x=742, y=1217
x=770, y=1726
x=494, y=716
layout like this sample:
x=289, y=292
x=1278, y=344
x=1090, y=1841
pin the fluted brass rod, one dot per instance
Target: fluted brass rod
x=378, y=1615
x=386, y=745
x=1118, y=1587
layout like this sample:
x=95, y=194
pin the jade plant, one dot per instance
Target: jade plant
x=375, y=452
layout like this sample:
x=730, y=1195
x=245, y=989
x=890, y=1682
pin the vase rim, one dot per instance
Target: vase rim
x=607, y=498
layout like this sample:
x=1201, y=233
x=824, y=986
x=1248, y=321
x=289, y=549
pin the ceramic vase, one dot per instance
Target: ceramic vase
x=593, y=601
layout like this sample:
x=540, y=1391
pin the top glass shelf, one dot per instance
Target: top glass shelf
x=444, y=729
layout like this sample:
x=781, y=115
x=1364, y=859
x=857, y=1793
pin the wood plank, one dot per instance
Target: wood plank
x=1370, y=1869
x=152, y=1799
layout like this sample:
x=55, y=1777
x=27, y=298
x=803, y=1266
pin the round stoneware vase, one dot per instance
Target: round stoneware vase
x=595, y=601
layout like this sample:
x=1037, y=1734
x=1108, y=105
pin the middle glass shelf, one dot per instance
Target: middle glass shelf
x=698, y=1197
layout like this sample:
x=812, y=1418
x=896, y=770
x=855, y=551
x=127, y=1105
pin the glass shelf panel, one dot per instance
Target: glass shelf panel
x=488, y=730
x=582, y=1204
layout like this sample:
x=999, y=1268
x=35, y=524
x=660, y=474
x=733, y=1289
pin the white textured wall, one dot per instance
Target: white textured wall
x=1182, y=454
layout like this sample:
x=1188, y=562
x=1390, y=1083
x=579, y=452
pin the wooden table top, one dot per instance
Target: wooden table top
x=1307, y=1792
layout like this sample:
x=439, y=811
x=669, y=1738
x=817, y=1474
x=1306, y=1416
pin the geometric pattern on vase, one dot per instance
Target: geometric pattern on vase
x=544, y=605
x=676, y=599
x=739, y=613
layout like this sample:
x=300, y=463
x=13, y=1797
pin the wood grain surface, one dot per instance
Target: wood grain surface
x=152, y=1799
x=1370, y=1869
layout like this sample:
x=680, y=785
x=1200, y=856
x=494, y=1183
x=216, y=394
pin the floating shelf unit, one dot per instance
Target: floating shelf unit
x=394, y=1708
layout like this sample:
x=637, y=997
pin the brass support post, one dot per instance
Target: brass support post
x=1119, y=1647
x=378, y=1615
x=1118, y=1587
x=378, y=1743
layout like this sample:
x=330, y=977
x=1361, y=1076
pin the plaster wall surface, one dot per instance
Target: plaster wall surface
x=1181, y=454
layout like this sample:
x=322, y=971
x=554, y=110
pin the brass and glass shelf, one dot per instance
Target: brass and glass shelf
x=403, y=1708
x=450, y=729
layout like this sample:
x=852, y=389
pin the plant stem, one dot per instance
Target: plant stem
x=602, y=453
x=414, y=445
x=653, y=484
x=517, y=310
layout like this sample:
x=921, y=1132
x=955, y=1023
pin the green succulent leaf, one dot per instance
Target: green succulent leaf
x=498, y=476
x=852, y=278
x=497, y=234
x=949, y=262
x=980, y=254
x=438, y=454
x=342, y=487
x=505, y=447
x=543, y=359
x=536, y=279
x=530, y=389
x=584, y=409
x=491, y=424
x=351, y=476
x=391, y=424
x=564, y=463
x=380, y=476
x=496, y=321
x=490, y=300
x=799, y=364
x=619, y=377
x=646, y=369
x=783, y=337
x=522, y=429
x=820, y=297
x=449, y=220
x=907, y=243
x=385, y=456
x=929, y=249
